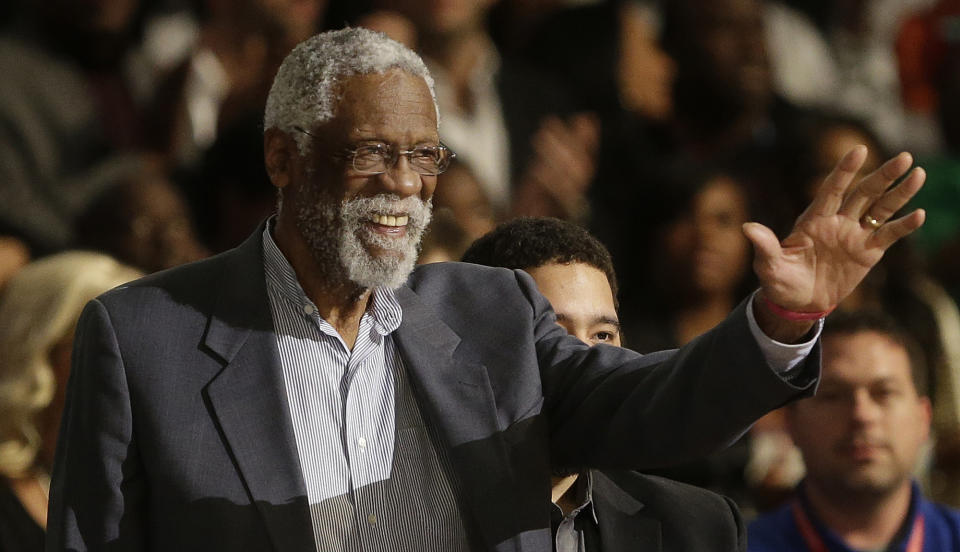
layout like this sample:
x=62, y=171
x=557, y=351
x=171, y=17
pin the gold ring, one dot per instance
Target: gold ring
x=872, y=222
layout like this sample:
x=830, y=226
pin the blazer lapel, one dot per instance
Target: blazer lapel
x=458, y=389
x=455, y=396
x=248, y=399
x=623, y=525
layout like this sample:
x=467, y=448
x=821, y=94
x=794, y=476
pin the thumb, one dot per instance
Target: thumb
x=765, y=242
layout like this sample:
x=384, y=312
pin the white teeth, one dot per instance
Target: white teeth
x=390, y=220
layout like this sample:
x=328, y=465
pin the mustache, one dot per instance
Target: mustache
x=363, y=208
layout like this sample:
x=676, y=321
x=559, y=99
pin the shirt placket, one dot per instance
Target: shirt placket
x=364, y=385
x=356, y=388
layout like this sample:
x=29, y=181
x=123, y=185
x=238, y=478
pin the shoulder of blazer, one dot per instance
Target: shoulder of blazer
x=679, y=507
x=233, y=277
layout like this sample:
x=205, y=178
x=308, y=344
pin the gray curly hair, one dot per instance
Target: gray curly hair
x=304, y=92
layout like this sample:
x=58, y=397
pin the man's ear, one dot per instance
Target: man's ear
x=278, y=151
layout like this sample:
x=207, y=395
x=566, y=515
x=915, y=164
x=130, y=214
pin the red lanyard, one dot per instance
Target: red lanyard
x=816, y=544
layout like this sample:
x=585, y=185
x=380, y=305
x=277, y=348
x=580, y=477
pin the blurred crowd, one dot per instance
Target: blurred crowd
x=132, y=130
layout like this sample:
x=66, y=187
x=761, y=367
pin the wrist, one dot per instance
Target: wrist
x=792, y=315
x=779, y=328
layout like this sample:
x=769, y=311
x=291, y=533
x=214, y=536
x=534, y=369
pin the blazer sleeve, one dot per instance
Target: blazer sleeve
x=97, y=494
x=610, y=407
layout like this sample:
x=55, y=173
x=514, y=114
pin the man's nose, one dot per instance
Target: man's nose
x=704, y=229
x=864, y=409
x=401, y=179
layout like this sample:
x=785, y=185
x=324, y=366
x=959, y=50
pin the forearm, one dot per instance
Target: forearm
x=621, y=410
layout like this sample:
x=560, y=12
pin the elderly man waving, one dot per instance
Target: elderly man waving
x=309, y=390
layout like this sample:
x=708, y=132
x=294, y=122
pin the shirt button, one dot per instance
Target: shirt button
x=372, y=518
x=362, y=442
x=308, y=309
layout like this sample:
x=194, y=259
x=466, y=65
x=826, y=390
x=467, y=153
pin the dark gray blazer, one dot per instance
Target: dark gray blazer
x=176, y=434
x=640, y=512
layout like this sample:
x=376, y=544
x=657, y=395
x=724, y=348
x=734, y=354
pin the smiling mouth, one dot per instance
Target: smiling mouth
x=390, y=220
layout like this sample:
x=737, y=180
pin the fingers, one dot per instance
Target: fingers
x=874, y=185
x=587, y=128
x=764, y=241
x=892, y=231
x=894, y=199
x=830, y=196
x=566, y=151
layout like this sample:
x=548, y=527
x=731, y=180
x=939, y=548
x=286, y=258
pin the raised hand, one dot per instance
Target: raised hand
x=836, y=241
x=555, y=182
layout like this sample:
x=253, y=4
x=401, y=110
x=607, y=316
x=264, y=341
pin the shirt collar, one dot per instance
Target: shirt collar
x=587, y=494
x=281, y=277
x=584, y=489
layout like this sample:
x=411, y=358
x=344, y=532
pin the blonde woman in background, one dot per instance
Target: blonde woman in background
x=38, y=314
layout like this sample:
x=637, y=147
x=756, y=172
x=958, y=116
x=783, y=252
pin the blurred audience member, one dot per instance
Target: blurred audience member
x=227, y=74
x=511, y=21
x=38, y=313
x=610, y=509
x=801, y=59
x=509, y=122
x=13, y=256
x=940, y=196
x=848, y=64
x=941, y=243
x=900, y=286
x=696, y=266
x=645, y=73
x=142, y=222
x=726, y=108
x=558, y=176
x=391, y=24
x=724, y=93
x=695, y=270
x=608, y=56
x=66, y=108
x=925, y=45
x=863, y=34
x=230, y=194
x=861, y=437
x=459, y=191
x=821, y=138
x=705, y=264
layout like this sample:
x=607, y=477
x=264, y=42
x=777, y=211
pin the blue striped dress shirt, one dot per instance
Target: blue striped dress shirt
x=341, y=401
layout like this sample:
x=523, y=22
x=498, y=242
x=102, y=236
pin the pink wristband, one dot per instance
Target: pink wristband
x=794, y=315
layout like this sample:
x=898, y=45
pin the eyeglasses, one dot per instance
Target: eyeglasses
x=379, y=157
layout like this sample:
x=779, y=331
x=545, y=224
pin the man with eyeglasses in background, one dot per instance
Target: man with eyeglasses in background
x=309, y=390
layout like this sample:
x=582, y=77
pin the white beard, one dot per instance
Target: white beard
x=337, y=235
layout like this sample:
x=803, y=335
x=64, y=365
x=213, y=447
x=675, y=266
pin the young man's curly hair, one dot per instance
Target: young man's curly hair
x=531, y=242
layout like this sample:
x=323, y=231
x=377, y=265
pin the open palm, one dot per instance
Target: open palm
x=839, y=237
